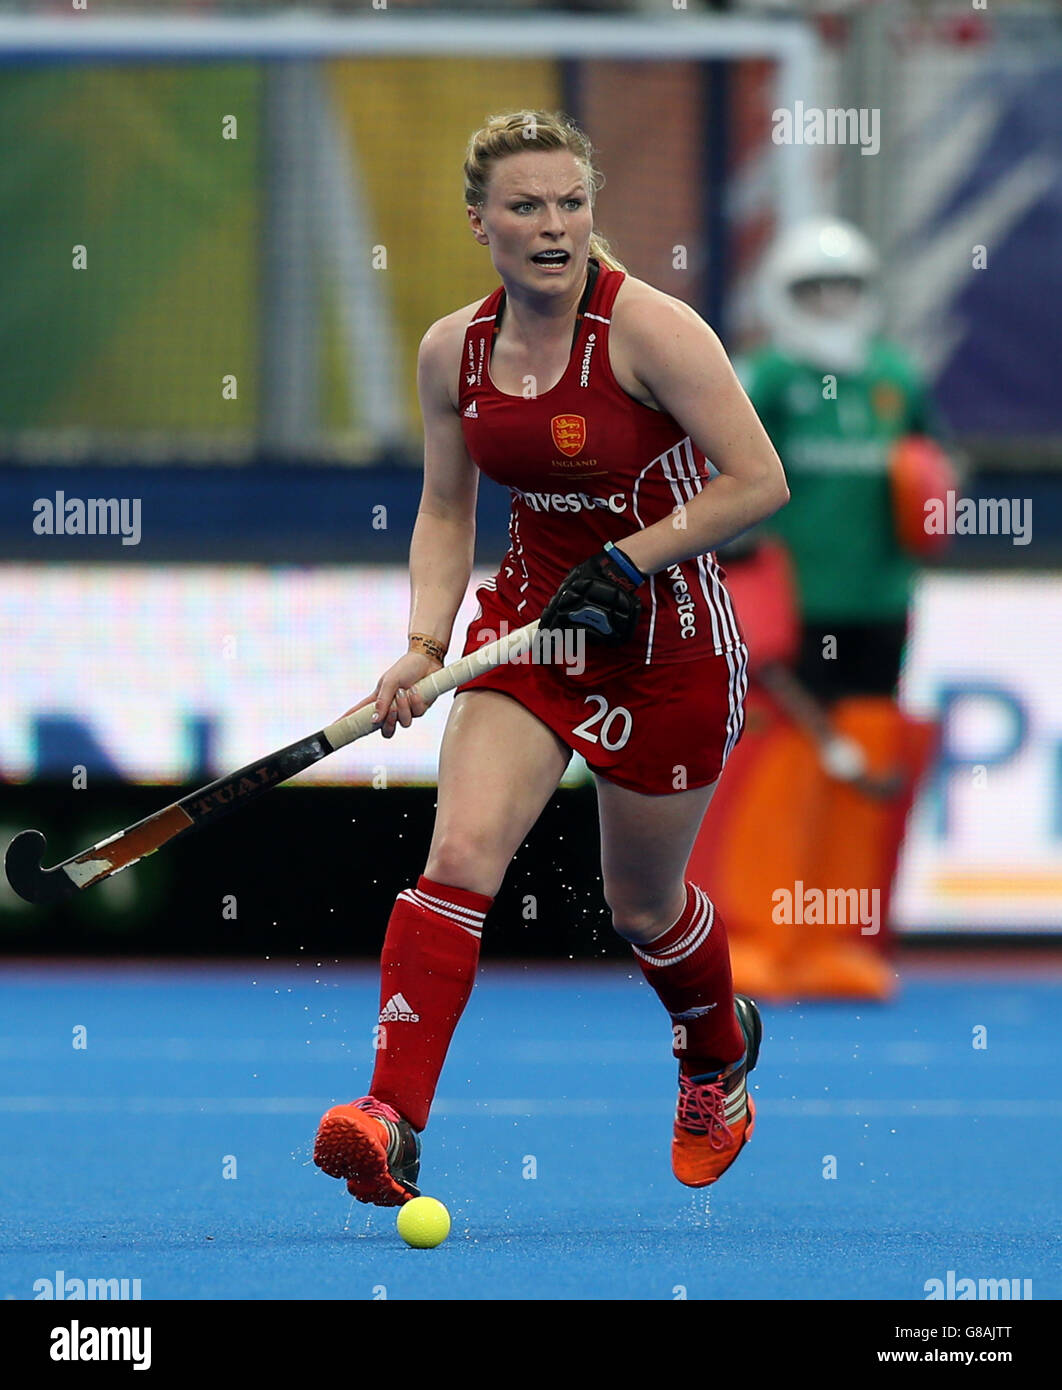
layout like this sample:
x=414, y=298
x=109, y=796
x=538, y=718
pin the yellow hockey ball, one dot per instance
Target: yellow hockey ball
x=423, y=1223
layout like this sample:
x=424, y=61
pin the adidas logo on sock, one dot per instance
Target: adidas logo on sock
x=697, y=1012
x=398, y=1010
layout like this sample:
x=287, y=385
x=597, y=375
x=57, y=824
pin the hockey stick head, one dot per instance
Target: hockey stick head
x=23, y=864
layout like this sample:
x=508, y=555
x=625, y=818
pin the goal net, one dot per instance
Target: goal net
x=224, y=236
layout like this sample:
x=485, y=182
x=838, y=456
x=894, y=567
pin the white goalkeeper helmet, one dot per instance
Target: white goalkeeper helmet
x=817, y=294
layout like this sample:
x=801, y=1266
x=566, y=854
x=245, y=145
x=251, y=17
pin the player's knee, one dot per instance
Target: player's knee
x=462, y=860
x=639, y=921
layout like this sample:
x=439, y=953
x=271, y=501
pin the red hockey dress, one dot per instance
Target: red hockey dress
x=585, y=463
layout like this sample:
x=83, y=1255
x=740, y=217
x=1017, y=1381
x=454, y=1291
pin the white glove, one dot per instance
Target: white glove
x=843, y=758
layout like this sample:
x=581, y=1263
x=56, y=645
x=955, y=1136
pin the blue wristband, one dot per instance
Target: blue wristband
x=629, y=568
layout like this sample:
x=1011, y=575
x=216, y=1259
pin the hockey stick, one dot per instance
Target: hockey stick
x=26, y=851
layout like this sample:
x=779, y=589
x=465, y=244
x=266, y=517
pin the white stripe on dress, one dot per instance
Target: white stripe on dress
x=518, y=549
x=737, y=661
x=720, y=589
x=683, y=494
x=652, y=577
x=708, y=566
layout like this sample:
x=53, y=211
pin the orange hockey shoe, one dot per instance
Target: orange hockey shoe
x=715, y=1115
x=368, y=1143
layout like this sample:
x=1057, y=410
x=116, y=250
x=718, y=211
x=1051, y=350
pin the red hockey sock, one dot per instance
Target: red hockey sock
x=689, y=967
x=428, y=966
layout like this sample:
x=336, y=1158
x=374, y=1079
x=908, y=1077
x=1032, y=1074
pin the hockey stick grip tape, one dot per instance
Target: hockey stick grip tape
x=477, y=663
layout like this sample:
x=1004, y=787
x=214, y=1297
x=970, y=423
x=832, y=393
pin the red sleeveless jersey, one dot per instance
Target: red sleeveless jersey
x=585, y=463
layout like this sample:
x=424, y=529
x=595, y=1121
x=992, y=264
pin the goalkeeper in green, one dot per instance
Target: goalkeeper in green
x=841, y=405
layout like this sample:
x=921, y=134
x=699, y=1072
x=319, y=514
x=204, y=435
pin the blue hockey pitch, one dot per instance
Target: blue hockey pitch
x=174, y=1147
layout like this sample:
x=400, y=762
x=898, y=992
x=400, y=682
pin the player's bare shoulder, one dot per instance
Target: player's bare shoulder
x=641, y=312
x=652, y=335
x=439, y=355
x=646, y=323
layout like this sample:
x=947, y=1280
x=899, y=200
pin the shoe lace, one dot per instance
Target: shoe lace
x=702, y=1110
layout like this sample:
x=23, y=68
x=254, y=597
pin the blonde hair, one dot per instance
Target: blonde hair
x=517, y=131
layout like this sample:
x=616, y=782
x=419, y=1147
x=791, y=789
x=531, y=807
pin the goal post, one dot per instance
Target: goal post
x=323, y=354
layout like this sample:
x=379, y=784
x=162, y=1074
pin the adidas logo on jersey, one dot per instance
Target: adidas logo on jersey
x=398, y=1010
x=470, y=412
